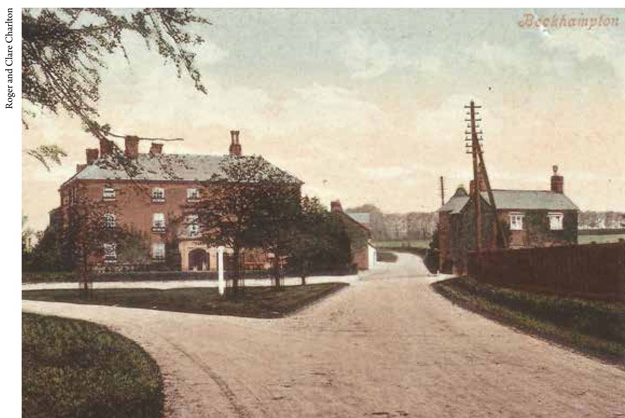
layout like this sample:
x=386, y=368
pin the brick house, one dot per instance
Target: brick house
x=156, y=201
x=362, y=251
x=530, y=218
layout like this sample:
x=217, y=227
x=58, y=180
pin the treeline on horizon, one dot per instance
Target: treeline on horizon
x=421, y=225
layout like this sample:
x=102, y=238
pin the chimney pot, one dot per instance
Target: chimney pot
x=92, y=155
x=132, y=147
x=235, y=146
x=335, y=206
x=106, y=147
x=156, y=149
x=557, y=181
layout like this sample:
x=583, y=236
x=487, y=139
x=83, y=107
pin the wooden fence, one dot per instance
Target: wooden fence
x=592, y=270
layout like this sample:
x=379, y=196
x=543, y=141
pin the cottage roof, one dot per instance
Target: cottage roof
x=516, y=199
x=165, y=167
x=531, y=200
x=455, y=204
x=362, y=218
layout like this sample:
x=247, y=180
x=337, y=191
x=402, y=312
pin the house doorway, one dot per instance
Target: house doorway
x=198, y=260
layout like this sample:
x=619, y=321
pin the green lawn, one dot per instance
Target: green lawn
x=256, y=302
x=592, y=327
x=402, y=243
x=74, y=368
x=599, y=239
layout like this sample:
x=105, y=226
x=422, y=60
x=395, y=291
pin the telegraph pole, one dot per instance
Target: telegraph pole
x=442, y=192
x=479, y=167
x=475, y=144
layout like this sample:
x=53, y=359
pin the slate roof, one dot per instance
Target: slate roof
x=531, y=200
x=165, y=167
x=516, y=199
x=455, y=204
x=363, y=218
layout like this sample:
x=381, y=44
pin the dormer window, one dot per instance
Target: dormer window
x=516, y=221
x=193, y=195
x=158, y=194
x=555, y=220
x=158, y=222
x=108, y=193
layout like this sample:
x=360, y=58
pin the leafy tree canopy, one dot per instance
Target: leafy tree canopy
x=63, y=51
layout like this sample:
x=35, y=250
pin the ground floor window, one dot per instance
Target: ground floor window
x=555, y=220
x=158, y=251
x=516, y=221
x=110, y=253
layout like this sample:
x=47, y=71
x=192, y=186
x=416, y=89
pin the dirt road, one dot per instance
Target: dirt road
x=387, y=346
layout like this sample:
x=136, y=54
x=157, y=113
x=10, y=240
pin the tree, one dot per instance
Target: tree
x=231, y=201
x=278, y=222
x=91, y=235
x=63, y=53
x=319, y=241
x=46, y=255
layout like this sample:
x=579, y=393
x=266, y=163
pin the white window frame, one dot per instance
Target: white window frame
x=158, y=194
x=556, y=221
x=158, y=222
x=516, y=221
x=158, y=251
x=193, y=195
x=108, y=193
x=110, y=252
x=193, y=226
x=110, y=220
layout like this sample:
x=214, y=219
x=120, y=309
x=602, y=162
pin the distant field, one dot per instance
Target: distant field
x=599, y=239
x=582, y=239
x=403, y=243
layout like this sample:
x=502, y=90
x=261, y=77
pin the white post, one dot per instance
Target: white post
x=220, y=271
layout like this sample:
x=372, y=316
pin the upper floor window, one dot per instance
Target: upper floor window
x=555, y=220
x=108, y=193
x=158, y=194
x=110, y=253
x=193, y=195
x=158, y=222
x=193, y=227
x=516, y=221
x=109, y=220
x=158, y=251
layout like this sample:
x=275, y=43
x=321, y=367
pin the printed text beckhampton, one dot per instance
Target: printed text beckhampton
x=580, y=21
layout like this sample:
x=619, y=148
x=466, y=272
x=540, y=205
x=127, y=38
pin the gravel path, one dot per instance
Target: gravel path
x=387, y=346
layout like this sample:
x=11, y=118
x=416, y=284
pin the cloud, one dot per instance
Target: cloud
x=368, y=59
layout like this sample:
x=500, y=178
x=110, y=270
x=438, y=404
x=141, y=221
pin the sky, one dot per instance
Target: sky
x=367, y=106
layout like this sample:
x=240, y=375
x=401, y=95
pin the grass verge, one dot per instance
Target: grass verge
x=73, y=368
x=590, y=327
x=255, y=302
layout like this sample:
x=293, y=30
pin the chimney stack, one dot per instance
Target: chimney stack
x=156, y=149
x=92, y=155
x=106, y=147
x=235, y=145
x=132, y=147
x=557, y=182
x=335, y=206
